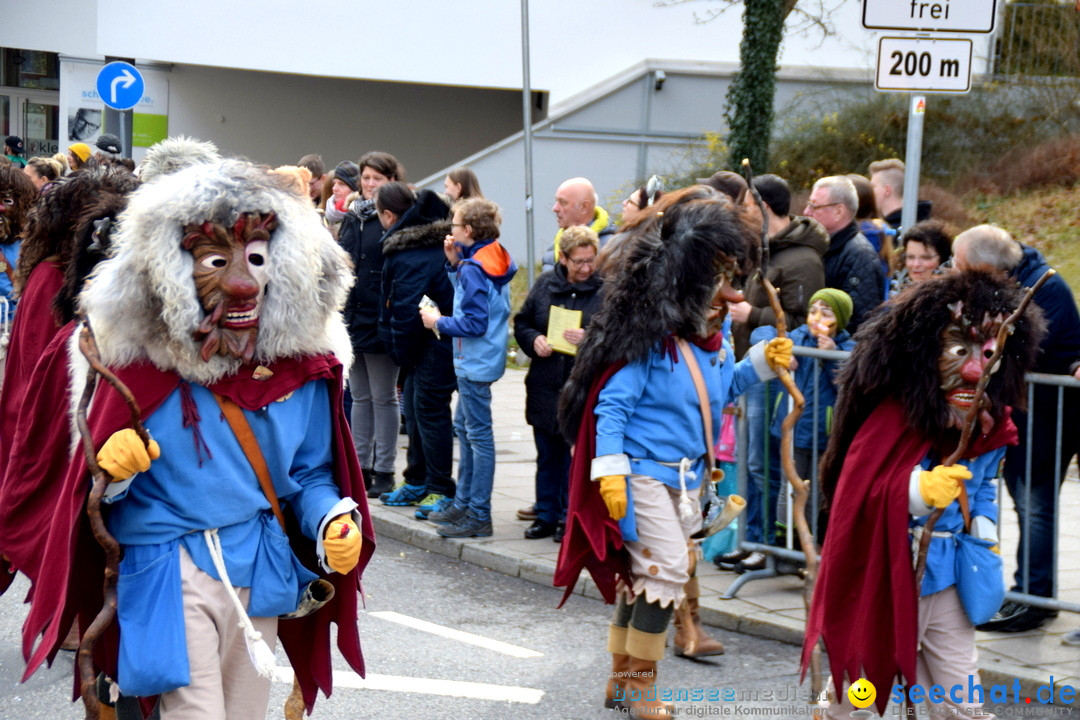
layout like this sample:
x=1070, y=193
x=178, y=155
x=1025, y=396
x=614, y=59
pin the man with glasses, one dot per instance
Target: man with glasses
x=851, y=263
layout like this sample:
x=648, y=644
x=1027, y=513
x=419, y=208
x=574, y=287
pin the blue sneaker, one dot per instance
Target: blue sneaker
x=404, y=494
x=432, y=503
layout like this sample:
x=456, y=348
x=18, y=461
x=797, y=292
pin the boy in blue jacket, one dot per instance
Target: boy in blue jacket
x=480, y=270
x=829, y=312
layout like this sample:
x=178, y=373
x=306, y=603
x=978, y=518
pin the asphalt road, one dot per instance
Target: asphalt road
x=498, y=648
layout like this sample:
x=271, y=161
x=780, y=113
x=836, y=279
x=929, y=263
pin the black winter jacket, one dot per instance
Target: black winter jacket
x=359, y=235
x=414, y=265
x=852, y=265
x=795, y=270
x=1061, y=347
x=546, y=376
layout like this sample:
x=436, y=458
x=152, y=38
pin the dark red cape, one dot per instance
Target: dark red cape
x=593, y=540
x=33, y=328
x=43, y=528
x=865, y=606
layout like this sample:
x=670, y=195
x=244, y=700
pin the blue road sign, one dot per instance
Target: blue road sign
x=120, y=85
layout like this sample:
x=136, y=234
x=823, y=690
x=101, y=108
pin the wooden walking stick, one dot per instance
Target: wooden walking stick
x=800, y=487
x=102, y=479
x=1004, y=331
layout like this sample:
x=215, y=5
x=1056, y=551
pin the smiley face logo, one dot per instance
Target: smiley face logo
x=861, y=693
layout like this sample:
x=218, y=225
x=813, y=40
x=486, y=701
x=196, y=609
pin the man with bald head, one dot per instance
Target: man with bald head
x=575, y=204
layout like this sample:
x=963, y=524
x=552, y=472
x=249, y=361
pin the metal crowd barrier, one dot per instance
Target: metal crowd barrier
x=786, y=560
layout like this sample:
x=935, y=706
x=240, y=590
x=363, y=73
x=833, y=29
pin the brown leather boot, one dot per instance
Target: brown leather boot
x=620, y=664
x=640, y=690
x=690, y=640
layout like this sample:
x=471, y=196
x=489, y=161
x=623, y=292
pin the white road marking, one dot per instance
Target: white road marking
x=425, y=686
x=460, y=636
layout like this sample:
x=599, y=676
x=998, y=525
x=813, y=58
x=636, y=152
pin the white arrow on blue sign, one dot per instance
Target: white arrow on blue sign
x=120, y=85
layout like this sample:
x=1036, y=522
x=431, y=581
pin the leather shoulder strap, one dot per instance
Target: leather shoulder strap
x=703, y=399
x=250, y=445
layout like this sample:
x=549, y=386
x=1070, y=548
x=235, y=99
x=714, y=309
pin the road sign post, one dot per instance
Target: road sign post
x=915, y=64
x=120, y=85
x=950, y=16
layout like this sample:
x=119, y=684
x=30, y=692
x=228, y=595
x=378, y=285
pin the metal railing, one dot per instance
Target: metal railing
x=1038, y=39
x=786, y=560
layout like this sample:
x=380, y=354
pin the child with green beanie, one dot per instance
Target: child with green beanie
x=829, y=312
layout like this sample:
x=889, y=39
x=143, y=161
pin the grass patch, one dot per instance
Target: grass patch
x=1045, y=218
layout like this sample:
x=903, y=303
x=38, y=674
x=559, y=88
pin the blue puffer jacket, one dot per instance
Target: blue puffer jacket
x=480, y=325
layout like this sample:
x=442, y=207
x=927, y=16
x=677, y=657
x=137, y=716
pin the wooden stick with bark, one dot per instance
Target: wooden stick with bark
x=800, y=487
x=101, y=481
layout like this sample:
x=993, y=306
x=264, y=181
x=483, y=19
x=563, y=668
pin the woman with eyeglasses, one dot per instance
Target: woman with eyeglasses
x=572, y=285
x=927, y=252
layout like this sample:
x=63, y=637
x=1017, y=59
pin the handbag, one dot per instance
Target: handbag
x=979, y=580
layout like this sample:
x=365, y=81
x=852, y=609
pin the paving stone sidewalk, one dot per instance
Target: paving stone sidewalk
x=770, y=607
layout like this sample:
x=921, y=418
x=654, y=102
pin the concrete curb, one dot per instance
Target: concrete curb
x=492, y=555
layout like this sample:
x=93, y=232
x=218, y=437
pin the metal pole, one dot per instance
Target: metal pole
x=526, y=105
x=913, y=160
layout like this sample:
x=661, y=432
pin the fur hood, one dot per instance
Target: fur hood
x=417, y=237
x=174, y=154
x=142, y=303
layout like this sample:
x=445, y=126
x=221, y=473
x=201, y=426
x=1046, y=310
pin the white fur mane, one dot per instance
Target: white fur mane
x=141, y=302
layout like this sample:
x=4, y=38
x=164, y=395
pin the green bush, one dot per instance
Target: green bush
x=844, y=131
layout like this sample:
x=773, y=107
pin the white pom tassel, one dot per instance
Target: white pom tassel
x=687, y=511
x=262, y=657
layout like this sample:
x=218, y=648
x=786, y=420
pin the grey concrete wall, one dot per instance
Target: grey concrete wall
x=276, y=118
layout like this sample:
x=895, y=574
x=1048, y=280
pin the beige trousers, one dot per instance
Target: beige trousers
x=658, y=558
x=224, y=684
x=947, y=655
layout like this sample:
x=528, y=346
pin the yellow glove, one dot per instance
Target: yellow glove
x=778, y=353
x=940, y=486
x=342, y=542
x=124, y=454
x=613, y=490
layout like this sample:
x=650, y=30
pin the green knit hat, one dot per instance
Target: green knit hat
x=839, y=301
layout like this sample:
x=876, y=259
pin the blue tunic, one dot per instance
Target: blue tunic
x=982, y=498
x=649, y=412
x=170, y=505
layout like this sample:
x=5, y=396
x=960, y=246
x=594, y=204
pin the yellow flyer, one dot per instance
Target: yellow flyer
x=560, y=319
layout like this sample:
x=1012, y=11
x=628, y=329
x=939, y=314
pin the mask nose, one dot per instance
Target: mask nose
x=238, y=282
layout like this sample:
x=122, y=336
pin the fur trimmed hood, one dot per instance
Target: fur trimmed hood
x=417, y=237
x=142, y=302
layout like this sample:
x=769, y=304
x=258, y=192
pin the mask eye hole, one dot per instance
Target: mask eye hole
x=256, y=253
x=956, y=351
x=214, y=261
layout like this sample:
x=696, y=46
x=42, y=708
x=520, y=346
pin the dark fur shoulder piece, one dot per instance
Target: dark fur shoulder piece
x=23, y=194
x=664, y=285
x=52, y=221
x=88, y=247
x=417, y=237
x=896, y=355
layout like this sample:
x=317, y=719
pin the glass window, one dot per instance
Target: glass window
x=41, y=127
x=30, y=69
